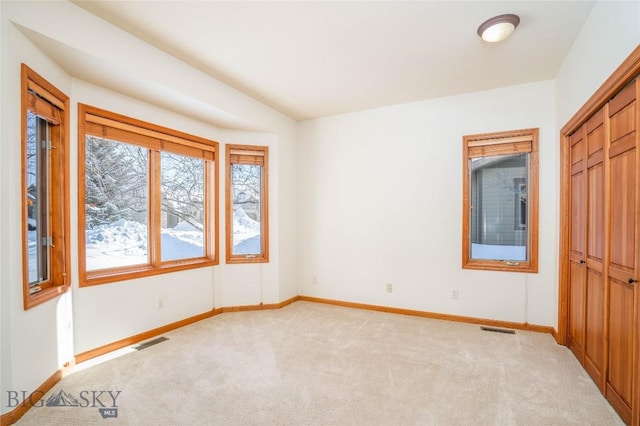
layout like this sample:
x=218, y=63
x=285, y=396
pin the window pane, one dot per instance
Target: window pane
x=37, y=169
x=182, y=207
x=246, y=181
x=499, y=207
x=116, y=204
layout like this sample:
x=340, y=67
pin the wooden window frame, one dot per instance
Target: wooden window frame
x=502, y=143
x=157, y=139
x=47, y=102
x=247, y=154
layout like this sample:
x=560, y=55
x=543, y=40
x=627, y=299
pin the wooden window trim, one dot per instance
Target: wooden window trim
x=502, y=143
x=102, y=123
x=256, y=155
x=52, y=105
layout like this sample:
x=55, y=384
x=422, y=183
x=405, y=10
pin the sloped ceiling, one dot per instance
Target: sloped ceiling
x=319, y=58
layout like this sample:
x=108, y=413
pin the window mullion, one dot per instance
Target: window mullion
x=57, y=208
x=208, y=224
x=155, y=217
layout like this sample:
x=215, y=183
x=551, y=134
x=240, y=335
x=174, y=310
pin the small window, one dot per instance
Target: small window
x=247, y=204
x=500, y=229
x=45, y=188
x=149, y=196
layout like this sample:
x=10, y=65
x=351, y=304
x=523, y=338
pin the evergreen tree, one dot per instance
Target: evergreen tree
x=115, y=181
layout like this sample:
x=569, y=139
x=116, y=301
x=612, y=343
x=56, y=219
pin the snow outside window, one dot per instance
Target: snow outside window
x=247, y=225
x=149, y=198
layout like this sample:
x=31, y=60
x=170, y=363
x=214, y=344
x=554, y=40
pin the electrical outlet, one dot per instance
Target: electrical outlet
x=160, y=302
x=314, y=280
x=389, y=287
x=454, y=293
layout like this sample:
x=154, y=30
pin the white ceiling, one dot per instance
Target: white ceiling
x=311, y=59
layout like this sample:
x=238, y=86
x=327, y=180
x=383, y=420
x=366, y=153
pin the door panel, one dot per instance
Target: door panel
x=620, y=378
x=577, y=310
x=595, y=227
x=623, y=211
x=577, y=256
x=594, y=342
x=623, y=256
x=578, y=216
x=621, y=323
x=594, y=360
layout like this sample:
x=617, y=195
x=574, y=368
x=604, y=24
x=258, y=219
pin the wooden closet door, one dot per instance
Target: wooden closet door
x=594, y=346
x=577, y=253
x=623, y=252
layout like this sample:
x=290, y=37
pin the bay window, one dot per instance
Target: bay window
x=148, y=198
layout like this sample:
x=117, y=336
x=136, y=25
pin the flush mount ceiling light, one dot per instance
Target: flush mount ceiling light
x=498, y=28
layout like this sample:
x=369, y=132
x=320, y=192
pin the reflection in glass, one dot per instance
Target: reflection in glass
x=37, y=199
x=499, y=207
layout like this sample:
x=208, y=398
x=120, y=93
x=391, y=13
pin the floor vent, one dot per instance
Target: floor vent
x=498, y=330
x=145, y=345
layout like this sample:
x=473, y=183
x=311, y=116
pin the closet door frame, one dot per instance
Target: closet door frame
x=625, y=73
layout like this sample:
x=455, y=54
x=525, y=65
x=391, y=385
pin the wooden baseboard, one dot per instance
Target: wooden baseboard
x=261, y=306
x=110, y=347
x=433, y=315
x=21, y=409
x=595, y=373
x=621, y=407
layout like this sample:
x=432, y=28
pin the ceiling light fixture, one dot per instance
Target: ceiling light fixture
x=498, y=28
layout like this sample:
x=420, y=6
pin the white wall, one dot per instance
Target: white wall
x=610, y=34
x=359, y=200
x=380, y=200
x=35, y=343
x=4, y=305
x=110, y=312
x=380, y=191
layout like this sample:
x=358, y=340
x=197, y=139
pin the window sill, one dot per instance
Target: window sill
x=32, y=300
x=499, y=265
x=121, y=274
x=245, y=259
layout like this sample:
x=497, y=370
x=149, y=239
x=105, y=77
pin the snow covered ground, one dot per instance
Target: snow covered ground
x=486, y=251
x=124, y=243
x=121, y=243
x=246, y=233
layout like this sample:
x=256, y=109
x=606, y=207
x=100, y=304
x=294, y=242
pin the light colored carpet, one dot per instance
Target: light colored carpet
x=314, y=364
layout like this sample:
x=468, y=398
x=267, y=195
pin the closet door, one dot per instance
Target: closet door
x=577, y=254
x=586, y=280
x=594, y=346
x=623, y=251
